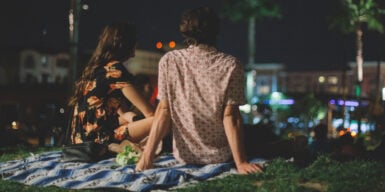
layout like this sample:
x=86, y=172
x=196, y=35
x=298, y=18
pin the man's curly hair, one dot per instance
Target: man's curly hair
x=200, y=26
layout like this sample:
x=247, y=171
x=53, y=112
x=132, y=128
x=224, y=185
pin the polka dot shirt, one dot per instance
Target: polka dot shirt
x=198, y=82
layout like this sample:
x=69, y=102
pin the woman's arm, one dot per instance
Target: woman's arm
x=138, y=101
x=137, y=130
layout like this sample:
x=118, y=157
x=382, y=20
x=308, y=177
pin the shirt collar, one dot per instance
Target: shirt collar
x=202, y=47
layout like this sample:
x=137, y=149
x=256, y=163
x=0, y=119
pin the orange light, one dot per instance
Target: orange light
x=341, y=133
x=172, y=44
x=159, y=45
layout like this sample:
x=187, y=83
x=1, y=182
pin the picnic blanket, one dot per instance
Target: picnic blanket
x=47, y=169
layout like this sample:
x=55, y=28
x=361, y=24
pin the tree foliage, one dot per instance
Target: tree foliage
x=308, y=108
x=350, y=14
x=243, y=10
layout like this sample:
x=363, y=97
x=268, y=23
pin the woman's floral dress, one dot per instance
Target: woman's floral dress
x=95, y=117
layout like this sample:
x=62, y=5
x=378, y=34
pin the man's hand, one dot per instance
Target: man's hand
x=247, y=168
x=160, y=127
x=232, y=121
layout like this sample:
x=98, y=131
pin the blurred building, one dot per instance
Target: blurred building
x=318, y=82
x=35, y=88
x=144, y=62
x=350, y=105
x=265, y=78
x=373, y=77
x=42, y=68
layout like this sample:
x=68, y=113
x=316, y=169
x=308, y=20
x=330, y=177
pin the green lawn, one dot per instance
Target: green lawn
x=324, y=174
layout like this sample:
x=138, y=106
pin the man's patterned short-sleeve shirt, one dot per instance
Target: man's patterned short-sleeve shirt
x=198, y=82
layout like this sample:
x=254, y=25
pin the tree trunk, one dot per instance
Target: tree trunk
x=251, y=41
x=360, y=61
x=343, y=108
x=359, y=57
x=73, y=17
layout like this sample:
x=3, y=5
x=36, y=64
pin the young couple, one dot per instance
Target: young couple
x=199, y=89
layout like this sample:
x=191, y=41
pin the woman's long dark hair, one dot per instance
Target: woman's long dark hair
x=116, y=43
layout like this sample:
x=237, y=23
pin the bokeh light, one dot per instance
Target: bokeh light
x=159, y=45
x=172, y=44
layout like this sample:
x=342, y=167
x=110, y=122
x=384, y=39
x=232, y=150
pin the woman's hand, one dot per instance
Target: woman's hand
x=143, y=164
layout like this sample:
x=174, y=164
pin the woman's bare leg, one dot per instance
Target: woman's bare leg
x=127, y=117
x=138, y=130
x=135, y=131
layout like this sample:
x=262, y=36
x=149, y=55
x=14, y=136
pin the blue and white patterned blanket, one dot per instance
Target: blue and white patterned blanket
x=47, y=169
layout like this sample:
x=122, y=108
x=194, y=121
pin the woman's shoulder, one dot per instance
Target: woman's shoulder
x=113, y=64
x=112, y=70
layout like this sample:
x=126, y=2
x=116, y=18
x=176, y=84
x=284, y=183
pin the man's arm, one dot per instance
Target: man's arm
x=232, y=122
x=159, y=128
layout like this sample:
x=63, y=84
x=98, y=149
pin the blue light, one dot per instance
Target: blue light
x=280, y=102
x=341, y=102
x=286, y=102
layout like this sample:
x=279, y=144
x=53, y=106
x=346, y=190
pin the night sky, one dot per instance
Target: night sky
x=300, y=39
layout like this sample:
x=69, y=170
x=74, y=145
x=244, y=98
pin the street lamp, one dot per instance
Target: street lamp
x=73, y=18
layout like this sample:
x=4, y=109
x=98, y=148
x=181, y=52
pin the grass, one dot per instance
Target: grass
x=22, y=151
x=324, y=174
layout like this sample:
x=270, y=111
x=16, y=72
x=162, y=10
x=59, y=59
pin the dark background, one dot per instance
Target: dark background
x=300, y=39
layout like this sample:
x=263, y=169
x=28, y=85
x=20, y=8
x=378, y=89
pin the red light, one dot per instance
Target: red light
x=159, y=45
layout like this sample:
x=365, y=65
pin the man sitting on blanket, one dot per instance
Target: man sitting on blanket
x=200, y=89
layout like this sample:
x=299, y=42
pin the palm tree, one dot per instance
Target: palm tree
x=350, y=18
x=251, y=11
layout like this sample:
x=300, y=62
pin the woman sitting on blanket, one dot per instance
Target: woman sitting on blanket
x=105, y=92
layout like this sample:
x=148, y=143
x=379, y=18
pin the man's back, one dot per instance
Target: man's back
x=198, y=82
x=200, y=90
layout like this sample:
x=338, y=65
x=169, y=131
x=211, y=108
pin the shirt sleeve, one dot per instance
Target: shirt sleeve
x=125, y=75
x=116, y=77
x=236, y=87
x=162, y=79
